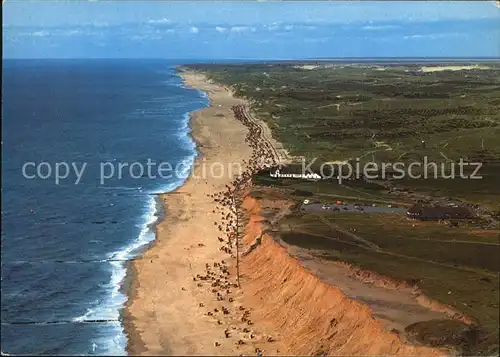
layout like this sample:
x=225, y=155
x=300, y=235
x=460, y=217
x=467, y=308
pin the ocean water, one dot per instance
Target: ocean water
x=65, y=244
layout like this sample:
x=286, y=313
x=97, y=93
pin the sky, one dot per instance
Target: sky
x=249, y=29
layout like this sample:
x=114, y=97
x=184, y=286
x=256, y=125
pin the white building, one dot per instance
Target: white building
x=310, y=176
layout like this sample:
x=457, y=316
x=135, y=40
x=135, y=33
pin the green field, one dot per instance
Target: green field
x=395, y=114
x=457, y=266
x=336, y=112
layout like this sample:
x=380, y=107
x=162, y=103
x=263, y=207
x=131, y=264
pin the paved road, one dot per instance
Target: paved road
x=317, y=207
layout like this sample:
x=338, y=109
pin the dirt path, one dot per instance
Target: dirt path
x=322, y=309
x=279, y=152
x=371, y=246
x=350, y=234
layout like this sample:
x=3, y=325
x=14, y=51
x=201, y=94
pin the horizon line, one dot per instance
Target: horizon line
x=259, y=59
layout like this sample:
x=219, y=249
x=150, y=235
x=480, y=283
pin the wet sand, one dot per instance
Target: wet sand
x=181, y=302
x=167, y=308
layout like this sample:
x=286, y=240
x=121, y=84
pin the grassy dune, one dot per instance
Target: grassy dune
x=334, y=112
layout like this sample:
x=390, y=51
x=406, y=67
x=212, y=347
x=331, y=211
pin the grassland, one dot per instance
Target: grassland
x=398, y=105
x=336, y=112
x=391, y=114
x=456, y=266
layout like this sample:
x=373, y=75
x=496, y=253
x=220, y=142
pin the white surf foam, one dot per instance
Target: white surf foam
x=184, y=132
x=109, y=308
x=203, y=94
x=114, y=342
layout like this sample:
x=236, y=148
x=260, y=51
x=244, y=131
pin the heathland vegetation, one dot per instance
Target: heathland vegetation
x=391, y=113
x=382, y=114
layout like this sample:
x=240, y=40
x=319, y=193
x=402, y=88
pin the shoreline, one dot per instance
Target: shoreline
x=166, y=309
x=155, y=327
x=130, y=284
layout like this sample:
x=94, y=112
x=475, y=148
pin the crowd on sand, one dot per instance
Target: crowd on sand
x=218, y=273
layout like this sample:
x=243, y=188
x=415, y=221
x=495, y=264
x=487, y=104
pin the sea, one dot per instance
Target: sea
x=86, y=146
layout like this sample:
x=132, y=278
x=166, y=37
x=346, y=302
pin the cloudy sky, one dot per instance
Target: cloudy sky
x=259, y=30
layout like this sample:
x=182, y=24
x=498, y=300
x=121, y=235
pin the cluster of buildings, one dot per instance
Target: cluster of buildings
x=418, y=211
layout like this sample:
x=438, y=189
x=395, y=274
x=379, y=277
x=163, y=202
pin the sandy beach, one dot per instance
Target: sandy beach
x=184, y=299
x=167, y=309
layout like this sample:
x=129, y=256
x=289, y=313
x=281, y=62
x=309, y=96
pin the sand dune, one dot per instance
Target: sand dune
x=451, y=68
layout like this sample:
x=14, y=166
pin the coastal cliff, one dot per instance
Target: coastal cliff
x=186, y=298
x=310, y=316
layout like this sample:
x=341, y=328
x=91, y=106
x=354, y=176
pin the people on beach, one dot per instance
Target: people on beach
x=227, y=204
